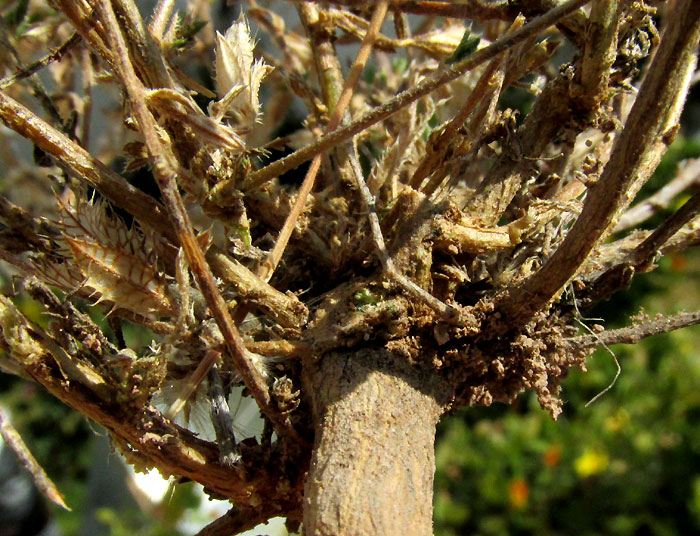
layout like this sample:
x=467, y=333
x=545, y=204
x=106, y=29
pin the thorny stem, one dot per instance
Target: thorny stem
x=634, y=157
x=445, y=75
x=270, y=264
x=165, y=169
x=42, y=62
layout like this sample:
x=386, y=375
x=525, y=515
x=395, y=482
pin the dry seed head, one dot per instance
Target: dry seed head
x=117, y=262
x=121, y=277
x=238, y=75
x=58, y=272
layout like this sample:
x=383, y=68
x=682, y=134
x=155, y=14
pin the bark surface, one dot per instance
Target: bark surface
x=373, y=462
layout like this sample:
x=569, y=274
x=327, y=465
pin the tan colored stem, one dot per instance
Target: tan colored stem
x=599, y=52
x=288, y=311
x=373, y=460
x=403, y=99
x=41, y=480
x=635, y=333
x=636, y=154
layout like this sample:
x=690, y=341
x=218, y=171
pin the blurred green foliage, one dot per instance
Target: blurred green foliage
x=627, y=464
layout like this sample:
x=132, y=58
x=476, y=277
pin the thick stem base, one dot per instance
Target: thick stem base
x=373, y=462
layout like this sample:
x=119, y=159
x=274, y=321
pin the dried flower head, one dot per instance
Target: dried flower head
x=238, y=75
x=117, y=262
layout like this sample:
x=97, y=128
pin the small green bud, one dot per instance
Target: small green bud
x=466, y=46
x=365, y=297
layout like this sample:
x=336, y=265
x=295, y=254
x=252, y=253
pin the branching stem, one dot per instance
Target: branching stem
x=268, y=267
x=635, y=333
x=444, y=76
x=635, y=155
x=165, y=169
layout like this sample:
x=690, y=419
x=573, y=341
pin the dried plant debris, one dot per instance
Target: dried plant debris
x=39, y=476
x=468, y=172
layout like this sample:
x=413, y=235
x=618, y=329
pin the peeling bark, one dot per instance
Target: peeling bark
x=373, y=462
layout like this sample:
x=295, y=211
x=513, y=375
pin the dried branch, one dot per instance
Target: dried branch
x=457, y=238
x=144, y=52
x=445, y=75
x=600, y=52
x=469, y=9
x=439, y=143
x=688, y=176
x=166, y=168
x=446, y=287
x=237, y=520
x=41, y=480
x=639, y=258
x=643, y=256
x=585, y=344
x=174, y=450
x=73, y=322
x=81, y=164
x=479, y=10
x=39, y=64
x=343, y=100
x=635, y=155
x=446, y=312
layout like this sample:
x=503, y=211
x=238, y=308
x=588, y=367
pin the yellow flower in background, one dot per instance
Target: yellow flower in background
x=615, y=422
x=518, y=492
x=591, y=462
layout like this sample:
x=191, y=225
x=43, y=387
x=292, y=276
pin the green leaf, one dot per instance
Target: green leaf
x=187, y=32
x=467, y=45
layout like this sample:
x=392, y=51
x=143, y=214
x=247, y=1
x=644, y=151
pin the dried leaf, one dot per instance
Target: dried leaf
x=181, y=108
